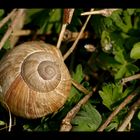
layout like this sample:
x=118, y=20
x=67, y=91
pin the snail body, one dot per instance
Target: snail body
x=34, y=80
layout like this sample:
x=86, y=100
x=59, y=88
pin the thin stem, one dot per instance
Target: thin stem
x=61, y=35
x=130, y=115
x=68, y=14
x=10, y=117
x=130, y=78
x=80, y=87
x=11, y=28
x=7, y=17
x=104, y=12
x=66, y=125
x=78, y=37
x=117, y=110
x=21, y=32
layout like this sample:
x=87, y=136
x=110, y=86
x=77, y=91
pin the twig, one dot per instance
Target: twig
x=10, y=117
x=80, y=87
x=11, y=28
x=68, y=13
x=130, y=78
x=21, y=32
x=130, y=115
x=104, y=12
x=117, y=110
x=61, y=35
x=66, y=125
x=7, y=17
x=71, y=36
x=78, y=37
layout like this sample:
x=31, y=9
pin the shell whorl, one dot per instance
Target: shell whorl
x=34, y=79
x=41, y=74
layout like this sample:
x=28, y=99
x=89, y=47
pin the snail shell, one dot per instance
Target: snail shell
x=34, y=80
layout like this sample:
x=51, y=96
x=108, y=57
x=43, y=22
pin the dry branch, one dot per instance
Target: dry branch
x=66, y=125
x=130, y=78
x=80, y=87
x=104, y=12
x=11, y=27
x=21, y=33
x=78, y=37
x=7, y=17
x=68, y=14
x=130, y=115
x=117, y=110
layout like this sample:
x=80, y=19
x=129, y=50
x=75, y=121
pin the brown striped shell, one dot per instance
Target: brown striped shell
x=34, y=80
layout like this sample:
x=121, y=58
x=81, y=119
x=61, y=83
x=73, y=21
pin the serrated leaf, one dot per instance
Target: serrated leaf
x=110, y=94
x=87, y=119
x=135, y=52
x=131, y=69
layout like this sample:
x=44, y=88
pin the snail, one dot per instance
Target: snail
x=34, y=80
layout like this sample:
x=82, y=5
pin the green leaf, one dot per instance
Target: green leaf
x=106, y=42
x=87, y=119
x=135, y=52
x=111, y=126
x=31, y=14
x=46, y=20
x=110, y=94
x=131, y=69
x=131, y=11
x=26, y=127
x=53, y=21
x=119, y=57
x=121, y=20
x=139, y=115
x=120, y=72
x=1, y=12
x=106, y=61
x=78, y=76
x=2, y=123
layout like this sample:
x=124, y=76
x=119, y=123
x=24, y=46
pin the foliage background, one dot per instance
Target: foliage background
x=116, y=40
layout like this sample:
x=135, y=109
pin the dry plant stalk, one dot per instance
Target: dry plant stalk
x=79, y=87
x=13, y=39
x=68, y=13
x=130, y=78
x=117, y=110
x=11, y=27
x=104, y=12
x=78, y=37
x=21, y=32
x=4, y=20
x=10, y=116
x=66, y=125
x=130, y=115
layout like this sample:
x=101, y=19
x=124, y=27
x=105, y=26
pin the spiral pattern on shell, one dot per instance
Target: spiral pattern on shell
x=34, y=79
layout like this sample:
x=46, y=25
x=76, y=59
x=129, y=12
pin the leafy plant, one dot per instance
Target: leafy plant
x=109, y=69
x=87, y=119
